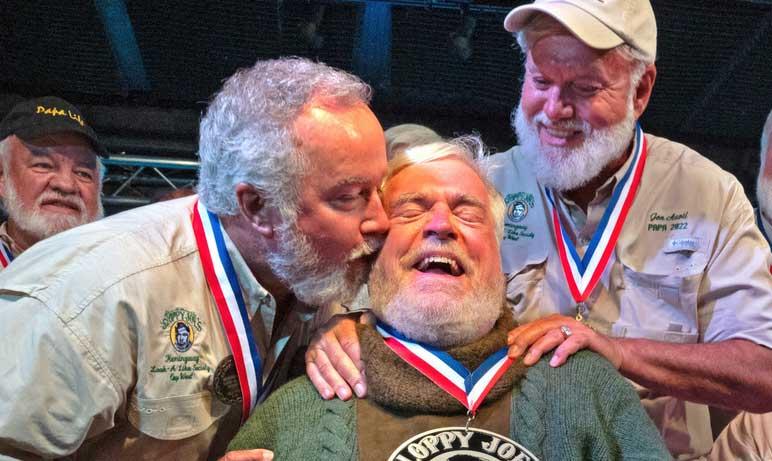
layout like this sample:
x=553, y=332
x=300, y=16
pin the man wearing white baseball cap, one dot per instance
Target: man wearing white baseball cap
x=618, y=242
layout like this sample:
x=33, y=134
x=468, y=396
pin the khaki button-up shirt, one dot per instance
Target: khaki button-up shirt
x=92, y=361
x=689, y=266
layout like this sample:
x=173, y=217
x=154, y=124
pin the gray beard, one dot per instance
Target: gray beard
x=565, y=169
x=313, y=281
x=422, y=314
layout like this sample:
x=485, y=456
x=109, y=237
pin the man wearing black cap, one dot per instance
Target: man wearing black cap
x=50, y=177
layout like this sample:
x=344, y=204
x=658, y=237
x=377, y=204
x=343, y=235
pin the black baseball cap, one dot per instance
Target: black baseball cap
x=35, y=118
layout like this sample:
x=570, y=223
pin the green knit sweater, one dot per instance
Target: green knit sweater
x=581, y=410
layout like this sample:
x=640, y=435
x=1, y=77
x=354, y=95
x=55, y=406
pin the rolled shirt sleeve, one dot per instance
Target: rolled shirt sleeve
x=54, y=390
x=735, y=296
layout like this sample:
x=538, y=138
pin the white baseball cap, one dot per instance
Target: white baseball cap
x=600, y=24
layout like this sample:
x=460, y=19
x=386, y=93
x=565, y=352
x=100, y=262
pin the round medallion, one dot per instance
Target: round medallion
x=225, y=383
x=459, y=444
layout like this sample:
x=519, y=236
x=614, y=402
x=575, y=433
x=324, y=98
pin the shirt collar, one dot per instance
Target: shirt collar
x=15, y=250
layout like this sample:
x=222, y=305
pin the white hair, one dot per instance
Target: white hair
x=468, y=149
x=247, y=133
x=765, y=134
x=400, y=137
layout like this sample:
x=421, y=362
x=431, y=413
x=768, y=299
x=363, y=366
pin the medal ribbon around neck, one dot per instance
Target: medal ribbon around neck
x=5, y=255
x=582, y=274
x=469, y=388
x=224, y=286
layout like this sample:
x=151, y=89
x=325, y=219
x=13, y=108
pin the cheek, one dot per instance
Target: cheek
x=603, y=113
x=530, y=102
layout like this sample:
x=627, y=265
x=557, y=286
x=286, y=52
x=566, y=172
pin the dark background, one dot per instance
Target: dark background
x=143, y=71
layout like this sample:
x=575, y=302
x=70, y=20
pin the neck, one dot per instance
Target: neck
x=21, y=238
x=252, y=250
x=583, y=195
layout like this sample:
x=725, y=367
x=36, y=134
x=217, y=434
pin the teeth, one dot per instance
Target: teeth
x=439, y=259
x=558, y=133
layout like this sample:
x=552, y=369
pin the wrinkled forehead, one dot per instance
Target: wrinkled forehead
x=449, y=179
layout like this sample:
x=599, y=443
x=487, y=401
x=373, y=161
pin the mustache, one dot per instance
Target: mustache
x=573, y=124
x=70, y=200
x=370, y=246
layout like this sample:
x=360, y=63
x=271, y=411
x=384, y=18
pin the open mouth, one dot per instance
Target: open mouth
x=439, y=265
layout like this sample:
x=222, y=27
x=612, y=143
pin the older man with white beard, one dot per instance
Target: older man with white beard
x=622, y=242
x=438, y=293
x=631, y=245
x=50, y=174
x=286, y=217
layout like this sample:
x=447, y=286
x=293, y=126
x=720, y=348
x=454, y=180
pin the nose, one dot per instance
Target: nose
x=439, y=225
x=375, y=221
x=64, y=182
x=557, y=106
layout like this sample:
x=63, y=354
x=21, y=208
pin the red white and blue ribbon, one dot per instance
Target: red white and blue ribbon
x=583, y=274
x=225, y=288
x=5, y=255
x=468, y=387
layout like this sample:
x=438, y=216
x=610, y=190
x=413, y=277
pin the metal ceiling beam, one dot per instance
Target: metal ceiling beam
x=372, y=53
x=120, y=33
x=468, y=5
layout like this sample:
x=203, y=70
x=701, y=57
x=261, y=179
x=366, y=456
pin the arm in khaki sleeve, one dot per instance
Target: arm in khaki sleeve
x=733, y=368
x=732, y=365
x=54, y=391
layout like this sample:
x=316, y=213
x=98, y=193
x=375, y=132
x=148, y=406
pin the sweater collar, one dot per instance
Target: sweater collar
x=396, y=385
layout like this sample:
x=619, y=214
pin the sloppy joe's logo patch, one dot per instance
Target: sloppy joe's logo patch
x=459, y=444
x=518, y=205
x=182, y=326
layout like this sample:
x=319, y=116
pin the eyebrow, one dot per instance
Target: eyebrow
x=352, y=180
x=38, y=151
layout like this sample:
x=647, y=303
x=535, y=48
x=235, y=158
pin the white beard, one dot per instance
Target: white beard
x=433, y=316
x=566, y=169
x=39, y=224
x=313, y=281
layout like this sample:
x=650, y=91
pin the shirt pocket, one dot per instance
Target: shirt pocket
x=524, y=291
x=658, y=297
x=175, y=418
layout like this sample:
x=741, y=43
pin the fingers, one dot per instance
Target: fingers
x=347, y=360
x=333, y=360
x=552, y=339
x=524, y=336
x=248, y=455
x=569, y=347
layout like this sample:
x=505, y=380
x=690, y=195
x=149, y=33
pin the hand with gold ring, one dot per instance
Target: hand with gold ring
x=562, y=334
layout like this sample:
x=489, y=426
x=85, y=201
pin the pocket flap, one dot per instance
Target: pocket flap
x=174, y=418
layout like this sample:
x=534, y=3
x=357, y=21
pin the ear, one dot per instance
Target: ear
x=644, y=89
x=253, y=208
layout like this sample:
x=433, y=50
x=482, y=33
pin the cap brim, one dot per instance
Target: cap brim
x=582, y=24
x=32, y=132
